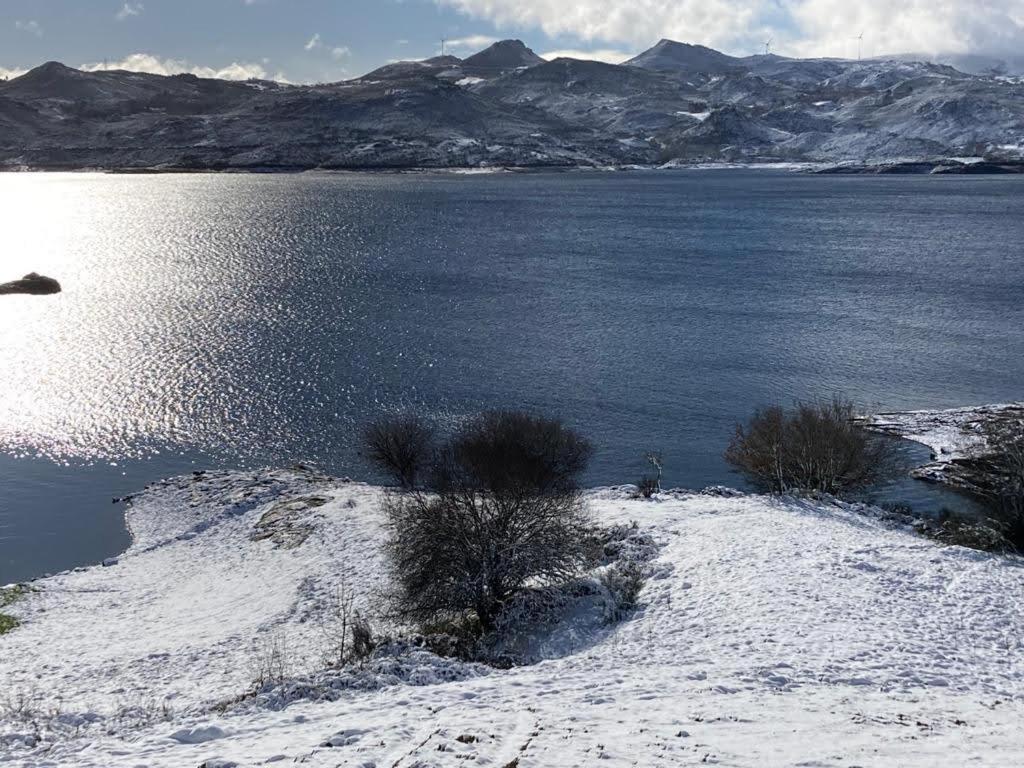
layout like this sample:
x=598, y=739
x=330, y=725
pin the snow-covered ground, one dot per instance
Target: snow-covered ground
x=771, y=632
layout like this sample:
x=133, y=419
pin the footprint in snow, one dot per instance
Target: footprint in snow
x=345, y=738
x=199, y=734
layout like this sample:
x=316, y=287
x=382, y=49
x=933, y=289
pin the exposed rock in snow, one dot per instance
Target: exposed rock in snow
x=764, y=624
x=33, y=284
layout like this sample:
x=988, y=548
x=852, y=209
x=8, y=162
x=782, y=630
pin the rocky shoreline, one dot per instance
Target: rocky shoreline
x=938, y=167
x=931, y=167
x=956, y=438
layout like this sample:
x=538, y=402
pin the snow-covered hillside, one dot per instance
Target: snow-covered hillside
x=675, y=104
x=771, y=632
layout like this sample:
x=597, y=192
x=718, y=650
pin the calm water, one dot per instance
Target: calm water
x=252, y=320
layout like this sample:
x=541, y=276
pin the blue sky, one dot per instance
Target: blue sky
x=303, y=40
x=326, y=40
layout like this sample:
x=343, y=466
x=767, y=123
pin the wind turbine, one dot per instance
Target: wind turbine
x=768, y=46
x=860, y=45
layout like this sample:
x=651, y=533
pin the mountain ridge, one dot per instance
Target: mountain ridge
x=674, y=104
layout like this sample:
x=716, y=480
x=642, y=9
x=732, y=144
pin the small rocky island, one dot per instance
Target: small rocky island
x=33, y=284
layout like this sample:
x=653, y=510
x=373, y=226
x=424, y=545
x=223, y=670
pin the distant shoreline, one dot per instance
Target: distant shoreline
x=388, y=170
x=907, y=168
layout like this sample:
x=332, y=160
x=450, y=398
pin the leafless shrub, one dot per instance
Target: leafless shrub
x=813, y=447
x=502, y=509
x=271, y=662
x=400, y=447
x=348, y=634
x=142, y=714
x=26, y=705
x=1002, y=477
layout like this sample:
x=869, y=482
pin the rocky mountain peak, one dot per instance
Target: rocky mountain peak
x=670, y=55
x=505, y=54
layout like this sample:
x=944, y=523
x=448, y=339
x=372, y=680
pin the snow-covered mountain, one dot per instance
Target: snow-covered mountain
x=506, y=106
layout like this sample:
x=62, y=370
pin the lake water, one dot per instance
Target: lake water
x=229, y=320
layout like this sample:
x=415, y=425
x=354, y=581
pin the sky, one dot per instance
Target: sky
x=329, y=40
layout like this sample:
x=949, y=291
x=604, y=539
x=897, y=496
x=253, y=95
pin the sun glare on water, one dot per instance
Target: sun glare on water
x=108, y=368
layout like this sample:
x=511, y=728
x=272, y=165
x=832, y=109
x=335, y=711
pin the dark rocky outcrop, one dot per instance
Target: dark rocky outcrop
x=502, y=57
x=33, y=284
x=670, y=56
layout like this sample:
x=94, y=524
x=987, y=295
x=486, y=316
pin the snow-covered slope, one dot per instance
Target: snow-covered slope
x=772, y=632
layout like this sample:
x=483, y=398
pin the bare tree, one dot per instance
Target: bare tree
x=813, y=447
x=400, y=447
x=657, y=461
x=501, y=510
x=648, y=485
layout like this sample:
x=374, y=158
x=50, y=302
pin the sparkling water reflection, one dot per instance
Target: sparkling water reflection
x=241, y=320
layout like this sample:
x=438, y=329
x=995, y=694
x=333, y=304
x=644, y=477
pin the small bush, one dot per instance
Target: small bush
x=957, y=530
x=623, y=582
x=364, y=642
x=813, y=447
x=501, y=509
x=8, y=623
x=9, y=596
x=400, y=447
x=646, y=487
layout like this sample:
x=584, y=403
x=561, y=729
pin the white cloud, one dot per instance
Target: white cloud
x=31, y=26
x=145, y=62
x=800, y=27
x=638, y=22
x=128, y=10
x=473, y=42
x=607, y=55
x=337, y=52
x=955, y=26
x=10, y=74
